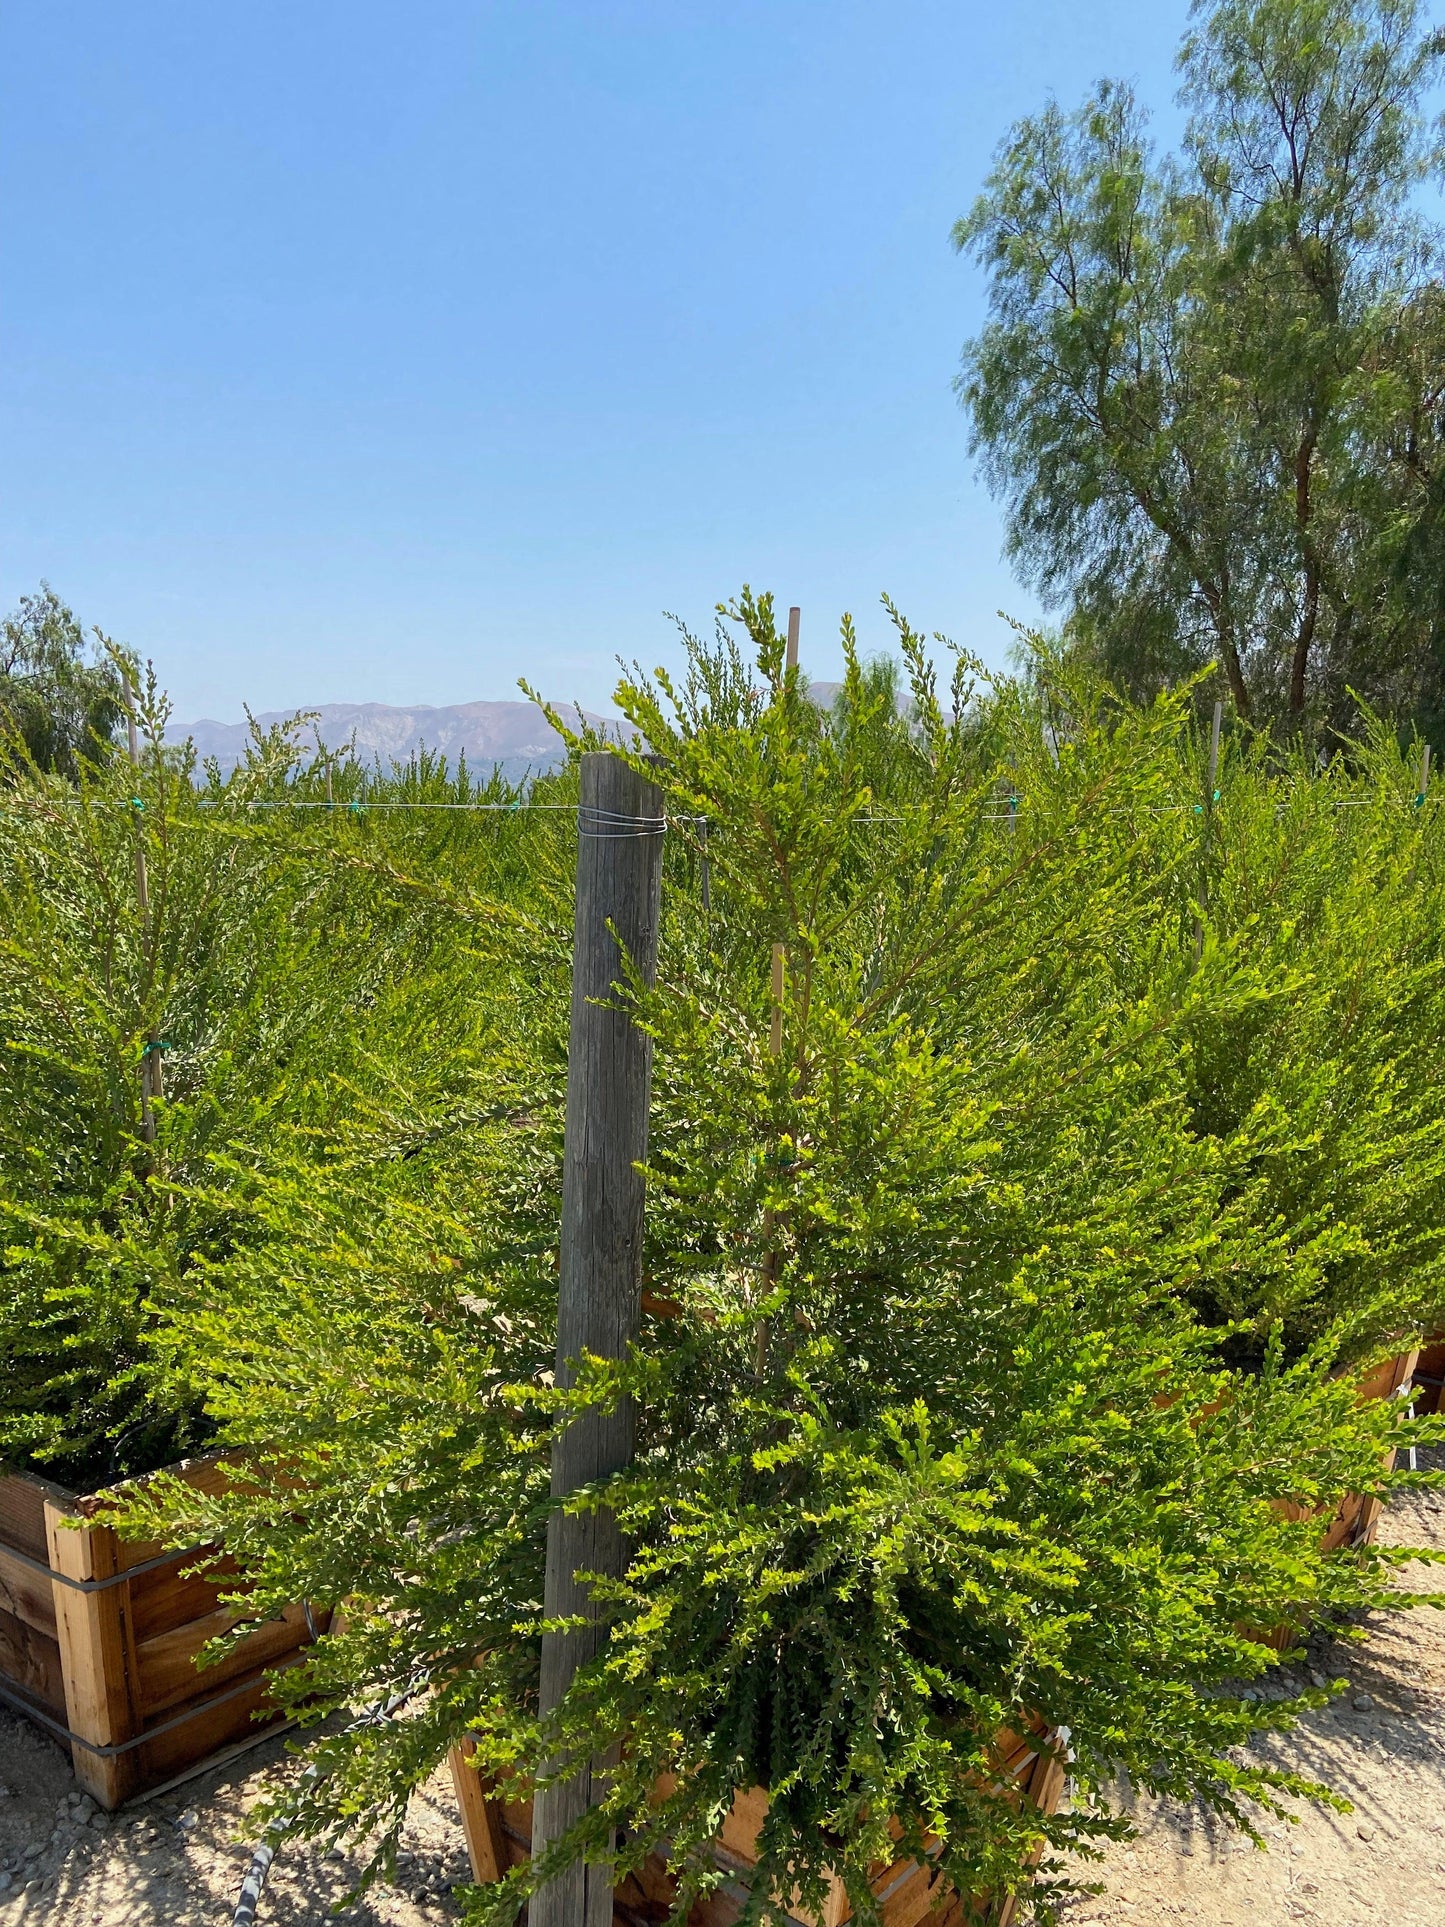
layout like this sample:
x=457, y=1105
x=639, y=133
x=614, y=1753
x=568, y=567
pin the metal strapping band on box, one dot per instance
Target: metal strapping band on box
x=113, y=1579
x=63, y=1732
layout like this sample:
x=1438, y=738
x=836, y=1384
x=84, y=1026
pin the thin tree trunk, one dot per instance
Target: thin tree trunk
x=1303, y=642
x=1309, y=615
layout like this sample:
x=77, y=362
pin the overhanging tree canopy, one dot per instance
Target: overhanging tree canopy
x=1212, y=386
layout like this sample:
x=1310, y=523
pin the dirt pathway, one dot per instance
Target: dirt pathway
x=178, y=1861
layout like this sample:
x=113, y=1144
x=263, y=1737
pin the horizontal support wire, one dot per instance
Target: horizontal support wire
x=1017, y=807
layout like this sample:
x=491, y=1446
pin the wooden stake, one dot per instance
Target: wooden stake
x=1214, y=751
x=609, y=1073
x=775, y=1049
x=775, y=1036
x=1210, y=788
x=770, y=1252
x=152, y=1082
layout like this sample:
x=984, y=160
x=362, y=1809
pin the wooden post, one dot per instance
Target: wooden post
x=609, y=1076
x=94, y=1657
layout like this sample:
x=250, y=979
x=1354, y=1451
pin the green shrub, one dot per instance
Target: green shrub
x=947, y=1429
x=280, y=946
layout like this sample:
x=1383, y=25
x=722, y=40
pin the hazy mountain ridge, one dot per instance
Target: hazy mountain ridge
x=513, y=734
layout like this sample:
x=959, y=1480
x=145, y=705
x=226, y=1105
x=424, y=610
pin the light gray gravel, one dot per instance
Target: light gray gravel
x=178, y=1861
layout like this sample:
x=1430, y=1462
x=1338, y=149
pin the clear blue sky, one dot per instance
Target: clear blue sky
x=364, y=351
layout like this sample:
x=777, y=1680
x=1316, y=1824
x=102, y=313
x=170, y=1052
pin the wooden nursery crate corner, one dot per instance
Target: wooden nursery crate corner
x=99, y=1638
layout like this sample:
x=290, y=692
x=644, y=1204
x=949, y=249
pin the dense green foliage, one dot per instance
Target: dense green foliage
x=1008, y=1302
x=284, y=962
x=1212, y=386
x=62, y=701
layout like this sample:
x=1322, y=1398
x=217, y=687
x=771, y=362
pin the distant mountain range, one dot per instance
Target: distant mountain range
x=515, y=735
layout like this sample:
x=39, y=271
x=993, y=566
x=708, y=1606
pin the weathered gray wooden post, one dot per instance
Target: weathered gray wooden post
x=609, y=1074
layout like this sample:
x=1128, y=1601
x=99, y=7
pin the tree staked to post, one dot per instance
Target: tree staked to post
x=609, y=1073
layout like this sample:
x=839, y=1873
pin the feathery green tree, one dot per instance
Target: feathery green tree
x=1210, y=389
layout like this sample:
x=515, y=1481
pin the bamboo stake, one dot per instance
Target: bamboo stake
x=1210, y=796
x=1424, y=773
x=152, y=1083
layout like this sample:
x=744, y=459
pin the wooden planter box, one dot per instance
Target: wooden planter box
x=1430, y=1376
x=99, y=1637
x=499, y=1837
x=1356, y=1517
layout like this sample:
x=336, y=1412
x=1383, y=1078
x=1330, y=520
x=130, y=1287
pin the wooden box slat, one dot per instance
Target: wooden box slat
x=113, y=1661
x=166, y=1670
x=162, y=1599
x=31, y=1662
x=22, y=1511
x=210, y=1728
x=26, y=1593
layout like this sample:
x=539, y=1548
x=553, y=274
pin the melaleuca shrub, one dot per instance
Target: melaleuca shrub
x=934, y=1434
x=280, y=939
x=1320, y=1096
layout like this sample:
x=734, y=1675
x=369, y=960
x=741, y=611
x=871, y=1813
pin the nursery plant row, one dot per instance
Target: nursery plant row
x=1044, y=1148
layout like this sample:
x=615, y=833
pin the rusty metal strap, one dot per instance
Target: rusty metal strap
x=98, y=1585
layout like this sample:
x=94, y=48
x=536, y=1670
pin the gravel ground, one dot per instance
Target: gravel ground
x=1381, y=1744
x=180, y=1858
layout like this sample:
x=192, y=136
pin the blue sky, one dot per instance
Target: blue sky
x=355, y=351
